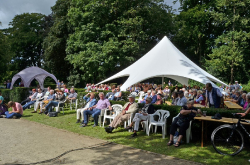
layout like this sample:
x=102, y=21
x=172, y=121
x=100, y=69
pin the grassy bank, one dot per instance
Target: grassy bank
x=154, y=142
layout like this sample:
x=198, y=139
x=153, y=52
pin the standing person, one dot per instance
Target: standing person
x=8, y=84
x=95, y=110
x=237, y=86
x=169, y=83
x=182, y=101
x=62, y=84
x=17, y=110
x=58, y=84
x=147, y=109
x=213, y=96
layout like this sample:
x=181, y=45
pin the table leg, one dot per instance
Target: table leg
x=202, y=123
x=206, y=132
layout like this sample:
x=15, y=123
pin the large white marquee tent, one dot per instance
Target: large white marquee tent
x=29, y=74
x=164, y=60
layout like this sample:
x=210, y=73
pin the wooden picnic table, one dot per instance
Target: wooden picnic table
x=199, y=106
x=223, y=120
x=232, y=105
x=227, y=99
x=168, y=102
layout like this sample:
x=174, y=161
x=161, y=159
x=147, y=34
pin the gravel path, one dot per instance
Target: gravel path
x=25, y=142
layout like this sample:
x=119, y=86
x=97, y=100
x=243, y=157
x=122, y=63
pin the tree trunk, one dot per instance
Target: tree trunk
x=232, y=72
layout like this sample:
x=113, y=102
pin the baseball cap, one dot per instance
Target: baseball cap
x=133, y=96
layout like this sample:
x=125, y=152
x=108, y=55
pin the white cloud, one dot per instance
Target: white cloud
x=10, y=8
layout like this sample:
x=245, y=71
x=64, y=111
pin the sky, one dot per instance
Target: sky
x=10, y=8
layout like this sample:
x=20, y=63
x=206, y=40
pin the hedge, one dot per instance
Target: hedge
x=17, y=94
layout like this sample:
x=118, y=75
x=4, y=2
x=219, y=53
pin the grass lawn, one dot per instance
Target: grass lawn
x=154, y=142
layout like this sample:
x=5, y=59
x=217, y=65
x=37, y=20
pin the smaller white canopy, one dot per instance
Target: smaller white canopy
x=164, y=60
x=29, y=74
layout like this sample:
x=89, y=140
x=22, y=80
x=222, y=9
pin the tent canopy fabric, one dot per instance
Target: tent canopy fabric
x=164, y=60
x=29, y=74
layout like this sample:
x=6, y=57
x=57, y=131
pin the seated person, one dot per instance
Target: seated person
x=147, y=95
x=118, y=94
x=233, y=95
x=200, y=99
x=175, y=98
x=47, y=92
x=166, y=92
x=17, y=110
x=95, y=110
x=237, y=98
x=244, y=101
x=148, y=108
x=32, y=96
x=182, y=101
x=39, y=95
x=72, y=96
x=90, y=102
x=159, y=99
x=1, y=98
x=3, y=107
x=110, y=95
x=128, y=108
x=66, y=90
x=60, y=97
x=154, y=97
x=43, y=103
x=187, y=114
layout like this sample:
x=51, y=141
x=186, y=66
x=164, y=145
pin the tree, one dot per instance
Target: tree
x=26, y=36
x=5, y=55
x=55, y=43
x=195, y=32
x=232, y=44
x=111, y=34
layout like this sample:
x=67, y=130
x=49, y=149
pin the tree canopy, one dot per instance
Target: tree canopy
x=88, y=41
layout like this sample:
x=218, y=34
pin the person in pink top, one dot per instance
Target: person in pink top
x=17, y=110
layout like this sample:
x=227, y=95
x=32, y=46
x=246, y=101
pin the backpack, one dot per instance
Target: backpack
x=3, y=109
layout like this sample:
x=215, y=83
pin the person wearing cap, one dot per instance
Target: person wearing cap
x=95, y=110
x=32, y=96
x=128, y=108
x=182, y=101
x=213, y=96
x=147, y=109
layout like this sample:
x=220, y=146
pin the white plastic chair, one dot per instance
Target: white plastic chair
x=117, y=108
x=58, y=108
x=73, y=103
x=129, y=121
x=145, y=125
x=188, y=131
x=134, y=93
x=162, y=121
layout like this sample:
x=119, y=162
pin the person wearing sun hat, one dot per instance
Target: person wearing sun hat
x=128, y=108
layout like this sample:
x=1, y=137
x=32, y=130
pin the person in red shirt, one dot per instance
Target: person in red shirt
x=17, y=110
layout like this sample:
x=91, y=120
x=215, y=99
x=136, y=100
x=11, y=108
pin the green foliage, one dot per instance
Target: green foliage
x=16, y=94
x=5, y=56
x=26, y=36
x=231, y=45
x=110, y=35
x=55, y=43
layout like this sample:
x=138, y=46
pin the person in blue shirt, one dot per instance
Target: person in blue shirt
x=1, y=98
x=145, y=97
x=90, y=102
x=8, y=84
x=154, y=97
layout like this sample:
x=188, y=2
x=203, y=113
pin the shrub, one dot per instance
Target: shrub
x=17, y=94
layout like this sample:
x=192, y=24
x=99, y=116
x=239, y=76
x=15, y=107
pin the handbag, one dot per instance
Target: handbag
x=53, y=114
x=46, y=101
